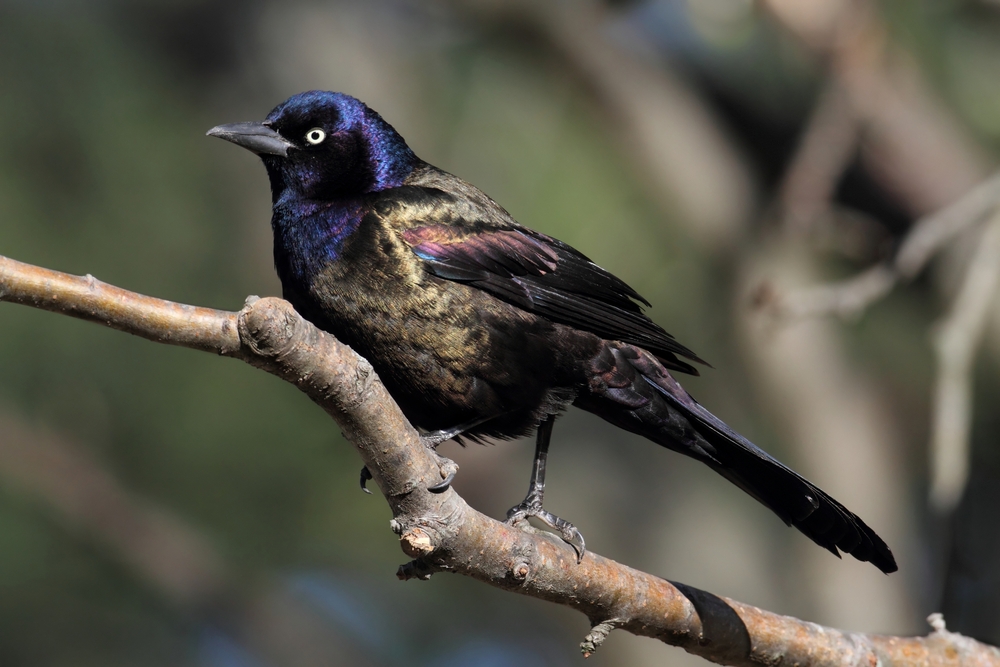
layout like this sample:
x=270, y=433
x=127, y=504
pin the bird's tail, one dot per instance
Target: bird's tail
x=629, y=388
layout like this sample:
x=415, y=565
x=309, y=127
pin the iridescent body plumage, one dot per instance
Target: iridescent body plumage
x=472, y=319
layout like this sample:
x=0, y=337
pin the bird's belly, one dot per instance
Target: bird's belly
x=450, y=354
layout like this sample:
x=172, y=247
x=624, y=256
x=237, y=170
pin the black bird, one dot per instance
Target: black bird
x=482, y=328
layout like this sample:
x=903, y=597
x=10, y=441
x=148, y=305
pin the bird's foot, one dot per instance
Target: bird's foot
x=448, y=470
x=448, y=467
x=532, y=506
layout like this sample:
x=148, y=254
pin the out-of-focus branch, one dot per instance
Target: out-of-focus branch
x=912, y=145
x=956, y=340
x=440, y=531
x=167, y=553
x=673, y=137
x=916, y=148
x=928, y=236
x=160, y=549
x=669, y=133
x=959, y=334
x=933, y=232
x=845, y=299
x=826, y=147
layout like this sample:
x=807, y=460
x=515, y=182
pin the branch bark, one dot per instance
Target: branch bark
x=440, y=531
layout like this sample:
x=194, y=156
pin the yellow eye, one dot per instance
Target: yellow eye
x=315, y=136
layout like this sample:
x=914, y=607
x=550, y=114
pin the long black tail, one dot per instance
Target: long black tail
x=632, y=390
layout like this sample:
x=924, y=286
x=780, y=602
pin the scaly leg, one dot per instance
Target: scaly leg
x=532, y=503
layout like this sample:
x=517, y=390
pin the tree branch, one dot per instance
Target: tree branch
x=440, y=531
x=913, y=146
x=666, y=130
x=956, y=339
x=825, y=148
x=958, y=334
x=928, y=236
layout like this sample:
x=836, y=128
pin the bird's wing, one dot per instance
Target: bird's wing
x=480, y=245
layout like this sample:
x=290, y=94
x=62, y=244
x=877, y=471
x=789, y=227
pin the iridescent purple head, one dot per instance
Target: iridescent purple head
x=323, y=146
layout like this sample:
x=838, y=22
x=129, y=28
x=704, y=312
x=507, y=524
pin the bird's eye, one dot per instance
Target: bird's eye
x=315, y=136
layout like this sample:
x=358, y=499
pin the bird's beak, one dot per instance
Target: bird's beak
x=255, y=137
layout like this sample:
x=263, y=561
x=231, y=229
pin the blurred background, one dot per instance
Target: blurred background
x=727, y=158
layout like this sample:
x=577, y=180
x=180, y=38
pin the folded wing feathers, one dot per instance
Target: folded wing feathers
x=550, y=278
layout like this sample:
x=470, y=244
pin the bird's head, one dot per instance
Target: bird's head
x=324, y=146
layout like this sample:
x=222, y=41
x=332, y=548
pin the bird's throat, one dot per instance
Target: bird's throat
x=310, y=236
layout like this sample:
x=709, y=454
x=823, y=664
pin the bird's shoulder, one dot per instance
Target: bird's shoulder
x=444, y=218
x=431, y=196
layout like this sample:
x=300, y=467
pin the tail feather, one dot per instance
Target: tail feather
x=635, y=392
x=798, y=502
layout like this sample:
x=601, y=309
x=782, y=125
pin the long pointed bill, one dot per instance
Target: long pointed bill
x=254, y=137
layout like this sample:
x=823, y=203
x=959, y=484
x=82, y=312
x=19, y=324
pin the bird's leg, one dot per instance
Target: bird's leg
x=431, y=440
x=532, y=503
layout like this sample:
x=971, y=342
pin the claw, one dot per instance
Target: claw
x=449, y=469
x=431, y=440
x=567, y=531
x=444, y=485
x=575, y=540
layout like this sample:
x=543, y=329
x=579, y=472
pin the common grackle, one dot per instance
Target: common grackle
x=482, y=328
